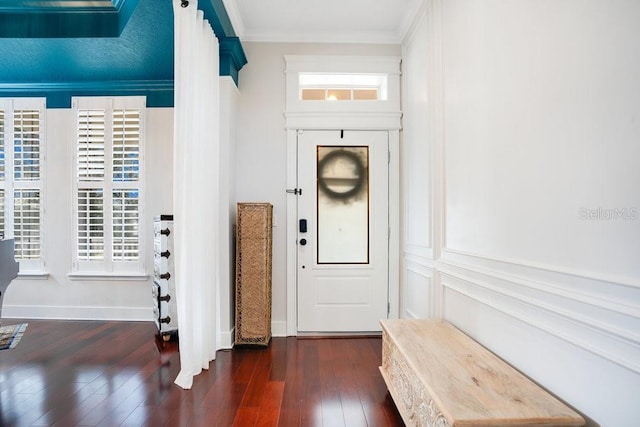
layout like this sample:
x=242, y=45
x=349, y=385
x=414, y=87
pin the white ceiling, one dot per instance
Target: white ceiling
x=332, y=21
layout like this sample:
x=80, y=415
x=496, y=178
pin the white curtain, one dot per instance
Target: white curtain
x=195, y=188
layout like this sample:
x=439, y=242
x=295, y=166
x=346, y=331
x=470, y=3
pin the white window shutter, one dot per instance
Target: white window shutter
x=26, y=223
x=109, y=184
x=26, y=145
x=126, y=171
x=2, y=213
x=22, y=182
x=126, y=221
x=90, y=230
x=2, y=149
x=2, y=169
x=126, y=145
x=91, y=145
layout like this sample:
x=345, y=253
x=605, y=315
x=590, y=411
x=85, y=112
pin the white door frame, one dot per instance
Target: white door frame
x=382, y=114
x=390, y=123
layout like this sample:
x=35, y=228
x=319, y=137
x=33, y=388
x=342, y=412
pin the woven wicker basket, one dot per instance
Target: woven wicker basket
x=253, y=274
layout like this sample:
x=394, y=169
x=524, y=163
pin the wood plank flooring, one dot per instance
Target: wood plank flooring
x=90, y=373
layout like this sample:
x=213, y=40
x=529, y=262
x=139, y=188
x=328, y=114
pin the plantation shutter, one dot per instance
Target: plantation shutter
x=90, y=147
x=108, y=184
x=126, y=171
x=90, y=224
x=26, y=145
x=26, y=175
x=126, y=246
x=126, y=145
x=26, y=223
x=90, y=155
x=21, y=166
x=2, y=168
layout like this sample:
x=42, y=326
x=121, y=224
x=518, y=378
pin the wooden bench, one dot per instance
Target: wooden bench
x=440, y=377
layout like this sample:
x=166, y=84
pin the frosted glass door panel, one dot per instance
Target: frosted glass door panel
x=343, y=205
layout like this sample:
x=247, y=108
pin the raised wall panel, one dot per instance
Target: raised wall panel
x=604, y=392
x=540, y=151
x=417, y=292
x=416, y=139
x=600, y=317
x=570, y=333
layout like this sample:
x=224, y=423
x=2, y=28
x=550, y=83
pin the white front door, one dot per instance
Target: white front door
x=343, y=229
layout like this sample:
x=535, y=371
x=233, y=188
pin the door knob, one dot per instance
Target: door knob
x=303, y=242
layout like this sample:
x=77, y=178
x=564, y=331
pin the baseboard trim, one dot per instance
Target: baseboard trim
x=279, y=328
x=227, y=339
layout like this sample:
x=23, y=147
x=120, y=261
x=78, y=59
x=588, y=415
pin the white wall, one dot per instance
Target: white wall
x=538, y=105
x=58, y=297
x=228, y=129
x=261, y=150
x=542, y=120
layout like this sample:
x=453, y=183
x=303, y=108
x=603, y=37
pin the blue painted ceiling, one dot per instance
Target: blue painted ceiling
x=143, y=50
x=126, y=47
x=68, y=18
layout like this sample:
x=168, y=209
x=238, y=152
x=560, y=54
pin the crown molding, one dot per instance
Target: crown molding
x=159, y=93
x=341, y=37
x=232, y=56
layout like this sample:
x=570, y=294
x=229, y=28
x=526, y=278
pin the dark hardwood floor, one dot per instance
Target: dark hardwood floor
x=89, y=373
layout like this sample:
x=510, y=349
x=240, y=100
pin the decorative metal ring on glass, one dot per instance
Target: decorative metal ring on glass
x=346, y=184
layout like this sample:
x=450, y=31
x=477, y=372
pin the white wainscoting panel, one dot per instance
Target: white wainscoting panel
x=596, y=387
x=418, y=296
x=600, y=317
x=569, y=332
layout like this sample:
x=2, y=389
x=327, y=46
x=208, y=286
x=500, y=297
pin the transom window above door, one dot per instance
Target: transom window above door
x=341, y=84
x=342, y=87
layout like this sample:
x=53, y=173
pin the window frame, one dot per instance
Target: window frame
x=341, y=72
x=343, y=82
x=34, y=266
x=108, y=267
